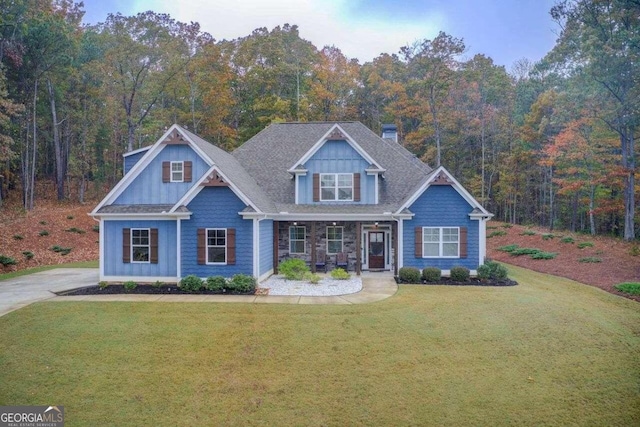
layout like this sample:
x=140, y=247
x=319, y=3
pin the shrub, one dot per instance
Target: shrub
x=96, y=228
x=311, y=278
x=525, y=251
x=583, y=245
x=590, y=259
x=157, y=284
x=28, y=254
x=507, y=225
x=103, y=284
x=409, y=275
x=69, y=216
x=191, y=283
x=492, y=270
x=528, y=233
x=497, y=233
x=635, y=250
x=459, y=274
x=18, y=237
x=242, y=283
x=508, y=248
x=74, y=230
x=61, y=250
x=340, y=274
x=43, y=222
x=293, y=268
x=129, y=285
x=431, y=274
x=568, y=239
x=216, y=283
x=632, y=288
x=548, y=236
x=43, y=233
x=544, y=255
x=7, y=260
x=491, y=227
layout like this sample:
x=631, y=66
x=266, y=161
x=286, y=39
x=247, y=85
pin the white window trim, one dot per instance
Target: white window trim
x=298, y=240
x=207, y=245
x=171, y=172
x=440, y=243
x=148, y=245
x=335, y=240
x=336, y=188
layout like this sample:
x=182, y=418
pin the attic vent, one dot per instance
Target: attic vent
x=442, y=179
x=336, y=135
x=175, y=138
x=214, y=180
x=390, y=131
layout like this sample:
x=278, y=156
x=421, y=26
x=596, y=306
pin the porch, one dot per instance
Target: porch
x=368, y=246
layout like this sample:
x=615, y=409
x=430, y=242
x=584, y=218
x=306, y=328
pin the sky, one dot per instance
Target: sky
x=505, y=30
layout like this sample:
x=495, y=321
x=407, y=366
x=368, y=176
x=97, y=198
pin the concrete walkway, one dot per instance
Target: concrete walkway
x=22, y=291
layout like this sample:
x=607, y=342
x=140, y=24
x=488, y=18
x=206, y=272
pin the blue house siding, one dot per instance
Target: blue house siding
x=441, y=206
x=337, y=157
x=131, y=160
x=266, y=246
x=217, y=207
x=148, y=188
x=113, y=265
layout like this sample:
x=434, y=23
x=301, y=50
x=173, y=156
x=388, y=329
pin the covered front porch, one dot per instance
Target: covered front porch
x=324, y=245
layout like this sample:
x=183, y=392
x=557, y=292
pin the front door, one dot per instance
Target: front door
x=376, y=250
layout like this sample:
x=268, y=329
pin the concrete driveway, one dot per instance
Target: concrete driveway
x=24, y=290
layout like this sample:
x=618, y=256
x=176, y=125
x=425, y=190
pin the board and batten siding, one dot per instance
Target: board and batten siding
x=266, y=246
x=441, y=206
x=131, y=160
x=337, y=157
x=216, y=207
x=148, y=188
x=113, y=263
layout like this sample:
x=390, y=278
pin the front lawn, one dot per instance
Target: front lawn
x=546, y=352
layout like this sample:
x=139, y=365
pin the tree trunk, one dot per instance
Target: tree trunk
x=592, y=221
x=629, y=165
x=436, y=124
x=57, y=145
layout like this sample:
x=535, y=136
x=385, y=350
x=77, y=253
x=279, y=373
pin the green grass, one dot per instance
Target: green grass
x=632, y=288
x=547, y=352
x=82, y=264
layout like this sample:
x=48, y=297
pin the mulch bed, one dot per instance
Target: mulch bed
x=143, y=289
x=471, y=282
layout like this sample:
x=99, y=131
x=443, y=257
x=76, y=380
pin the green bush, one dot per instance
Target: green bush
x=635, y=250
x=216, y=283
x=18, y=237
x=568, y=239
x=340, y=274
x=74, y=230
x=632, y=288
x=497, y=233
x=544, y=255
x=96, y=228
x=409, y=275
x=7, y=260
x=191, y=283
x=528, y=233
x=28, y=254
x=431, y=274
x=583, y=245
x=61, y=250
x=525, y=251
x=293, y=268
x=242, y=283
x=157, y=284
x=43, y=222
x=491, y=227
x=459, y=274
x=548, y=236
x=508, y=248
x=492, y=270
x=43, y=233
x=590, y=259
x=103, y=284
x=506, y=225
x=312, y=278
x=129, y=285
x=69, y=216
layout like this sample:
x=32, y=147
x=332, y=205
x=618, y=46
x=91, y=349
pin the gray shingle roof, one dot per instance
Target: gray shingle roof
x=140, y=209
x=269, y=154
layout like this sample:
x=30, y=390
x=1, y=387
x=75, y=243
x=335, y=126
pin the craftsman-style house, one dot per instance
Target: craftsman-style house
x=330, y=193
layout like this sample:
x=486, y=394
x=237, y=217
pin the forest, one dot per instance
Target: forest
x=548, y=143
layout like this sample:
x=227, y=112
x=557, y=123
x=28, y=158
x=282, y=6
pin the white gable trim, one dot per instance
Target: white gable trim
x=324, y=139
x=141, y=165
x=195, y=190
x=456, y=185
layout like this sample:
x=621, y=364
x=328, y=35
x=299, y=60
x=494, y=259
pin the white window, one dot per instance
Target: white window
x=297, y=240
x=216, y=246
x=177, y=171
x=140, y=245
x=336, y=186
x=334, y=240
x=440, y=242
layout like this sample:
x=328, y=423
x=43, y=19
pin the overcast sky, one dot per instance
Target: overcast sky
x=505, y=30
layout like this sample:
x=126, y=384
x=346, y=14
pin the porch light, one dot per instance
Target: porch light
x=334, y=223
x=376, y=224
x=295, y=223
